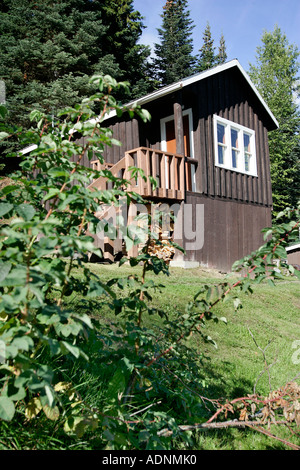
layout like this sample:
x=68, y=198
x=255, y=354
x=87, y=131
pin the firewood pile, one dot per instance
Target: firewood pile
x=162, y=249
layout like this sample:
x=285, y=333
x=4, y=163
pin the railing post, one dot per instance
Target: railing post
x=148, y=171
x=172, y=175
x=163, y=175
x=182, y=177
x=129, y=161
x=141, y=165
x=154, y=172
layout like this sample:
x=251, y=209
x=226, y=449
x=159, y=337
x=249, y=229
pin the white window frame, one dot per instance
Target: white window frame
x=227, y=160
x=163, y=134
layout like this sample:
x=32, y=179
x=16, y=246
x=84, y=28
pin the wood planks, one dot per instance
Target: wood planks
x=231, y=230
x=228, y=96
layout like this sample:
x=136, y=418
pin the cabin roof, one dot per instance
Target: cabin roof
x=166, y=90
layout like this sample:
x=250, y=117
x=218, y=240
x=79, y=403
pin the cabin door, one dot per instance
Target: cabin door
x=170, y=145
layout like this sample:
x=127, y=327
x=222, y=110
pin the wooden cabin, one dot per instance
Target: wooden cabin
x=207, y=147
x=293, y=255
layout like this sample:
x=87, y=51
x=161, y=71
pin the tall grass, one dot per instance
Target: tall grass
x=260, y=333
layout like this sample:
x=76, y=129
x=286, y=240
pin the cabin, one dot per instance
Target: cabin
x=207, y=148
x=293, y=255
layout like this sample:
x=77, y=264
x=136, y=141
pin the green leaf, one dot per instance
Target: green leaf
x=26, y=211
x=3, y=135
x=8, y=189
x=50, y=395
x=3, y=111
x=5, y=207
x=7, y=409
x=15, y=277
x=280, y=252
x=23, y=343
x=49, y=142
x=116, y=385
x=4, y=270
x=15, y=393
x=84, y=318
x=56, y=172
x=72, y=349
x=51, y=193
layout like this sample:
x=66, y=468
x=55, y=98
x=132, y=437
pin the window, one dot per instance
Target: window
x=234, y=146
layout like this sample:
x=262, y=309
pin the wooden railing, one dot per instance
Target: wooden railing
x=166, y=169
x=117, y=170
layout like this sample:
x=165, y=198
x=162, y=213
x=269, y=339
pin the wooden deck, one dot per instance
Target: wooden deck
x=169, y=171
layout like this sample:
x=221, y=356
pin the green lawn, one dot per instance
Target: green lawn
x=269, y=318
x=272, y=314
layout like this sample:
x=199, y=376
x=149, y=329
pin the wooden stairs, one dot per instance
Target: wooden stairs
x=169, y=171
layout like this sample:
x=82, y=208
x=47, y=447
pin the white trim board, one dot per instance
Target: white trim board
x=188, y=81
x=195, y=78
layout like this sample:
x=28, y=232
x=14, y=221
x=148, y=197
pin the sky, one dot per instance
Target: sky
x=242, y=23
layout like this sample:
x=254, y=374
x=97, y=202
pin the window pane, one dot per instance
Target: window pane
x=247, y=162
x=221, y=134
x=234, y=138
x=234, y=158
x=220, y=155
x=247, y=142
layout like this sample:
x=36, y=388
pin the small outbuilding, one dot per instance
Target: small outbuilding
x=207, y=147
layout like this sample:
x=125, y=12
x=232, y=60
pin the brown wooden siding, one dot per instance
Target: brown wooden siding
x=232, y=230
x=127, y=133
x=227, y=95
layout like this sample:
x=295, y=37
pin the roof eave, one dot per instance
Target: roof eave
x=195, y=78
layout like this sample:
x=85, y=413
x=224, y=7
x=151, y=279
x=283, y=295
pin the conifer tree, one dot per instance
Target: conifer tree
x=276, y=77
x=124, y=27
x=207, y=55
x=207, y=51
x=174, y=59
x=50, y=48
x=222, y=54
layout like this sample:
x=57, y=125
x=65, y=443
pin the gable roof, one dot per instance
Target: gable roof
x=166, y=90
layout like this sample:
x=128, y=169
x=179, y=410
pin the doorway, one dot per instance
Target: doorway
x=168, y=143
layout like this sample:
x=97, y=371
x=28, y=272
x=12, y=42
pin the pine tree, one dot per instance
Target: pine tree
x=174, y=59
x=50, y=48
x=207, y=51
x=207, y=55
x=222, y=54
x=276, y=77
x=124, y=27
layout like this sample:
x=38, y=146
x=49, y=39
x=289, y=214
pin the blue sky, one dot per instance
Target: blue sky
x=241, y=21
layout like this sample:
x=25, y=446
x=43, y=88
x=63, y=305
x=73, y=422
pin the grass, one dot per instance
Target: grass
x=269, y=315
x=264, y=328
x=268, y=320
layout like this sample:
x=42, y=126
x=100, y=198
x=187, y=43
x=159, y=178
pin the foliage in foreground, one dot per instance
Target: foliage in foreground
x=45, y=212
